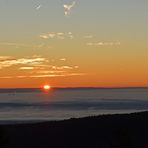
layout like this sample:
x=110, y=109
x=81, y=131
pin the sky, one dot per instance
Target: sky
x=73, y=43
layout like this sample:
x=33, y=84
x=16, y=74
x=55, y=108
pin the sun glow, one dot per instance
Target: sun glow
x=46, y=87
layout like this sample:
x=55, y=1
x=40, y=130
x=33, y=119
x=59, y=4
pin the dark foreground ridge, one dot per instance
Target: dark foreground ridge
x=108, y=131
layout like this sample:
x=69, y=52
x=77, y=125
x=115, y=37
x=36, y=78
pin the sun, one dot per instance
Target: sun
x=46, y=87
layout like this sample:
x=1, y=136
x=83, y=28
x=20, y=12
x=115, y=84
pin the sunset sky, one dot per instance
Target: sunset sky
x=73, y=43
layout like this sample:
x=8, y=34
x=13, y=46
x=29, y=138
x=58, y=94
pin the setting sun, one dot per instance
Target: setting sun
x=46, y=87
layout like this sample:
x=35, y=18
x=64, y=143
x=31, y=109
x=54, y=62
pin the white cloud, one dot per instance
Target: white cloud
x=44, y=36
x=26, y=68
x=38, y=7
x=68, y=7
x=103, y=43
x=100, y=44
x=52, y=35
x=58, y=35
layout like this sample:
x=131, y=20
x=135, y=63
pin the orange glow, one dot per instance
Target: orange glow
x=46, y=87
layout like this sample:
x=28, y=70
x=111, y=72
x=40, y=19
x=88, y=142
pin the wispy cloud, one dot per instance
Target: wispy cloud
x=9, y=61
x=103, y=43
x=70, y=35
x=26, y=68
x=62, y=59
x=19, y=45
x=68, y=7
x=57, y=35
x=58, y=75
x=14, y=44
x=62, y=67
x=37, y=67
x=44, y=76
x=50, y=71
x=44, y=36
x=38, y=7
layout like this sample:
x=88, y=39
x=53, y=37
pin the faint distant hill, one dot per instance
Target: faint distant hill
x=20, y=90
x=29, y=90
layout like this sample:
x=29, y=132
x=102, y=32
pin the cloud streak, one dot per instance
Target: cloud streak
x=26, y=68
x=36, y=67
x=103, y=44
x=57, y=35
x=62, y=67
x=9, y=61
x=18, y=45
x=44, y=76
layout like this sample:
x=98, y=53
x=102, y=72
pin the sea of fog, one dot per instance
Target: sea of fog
x=31, y=105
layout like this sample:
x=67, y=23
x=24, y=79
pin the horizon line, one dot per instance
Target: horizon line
x=82, y=87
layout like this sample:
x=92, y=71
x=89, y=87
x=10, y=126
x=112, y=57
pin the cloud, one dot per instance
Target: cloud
x=36, y=67
x=50, y=71
x=38, y=7
x=7, y=61
x=68, y=7
x=58, y=75
x=18, y=45
x=49, y=35
x=76, y=74
x=44, y=36
x=70, y=35
x=26, y=68
x=44, y=76
x=49, y=75
x=62, y=59
x=3, y=58
x=52, y=35
x=15, y=44
x=103, y=44
x=62, y=67
x=57, y=35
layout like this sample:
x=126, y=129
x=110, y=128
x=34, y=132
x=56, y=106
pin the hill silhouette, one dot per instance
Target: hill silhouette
x=107, y=131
